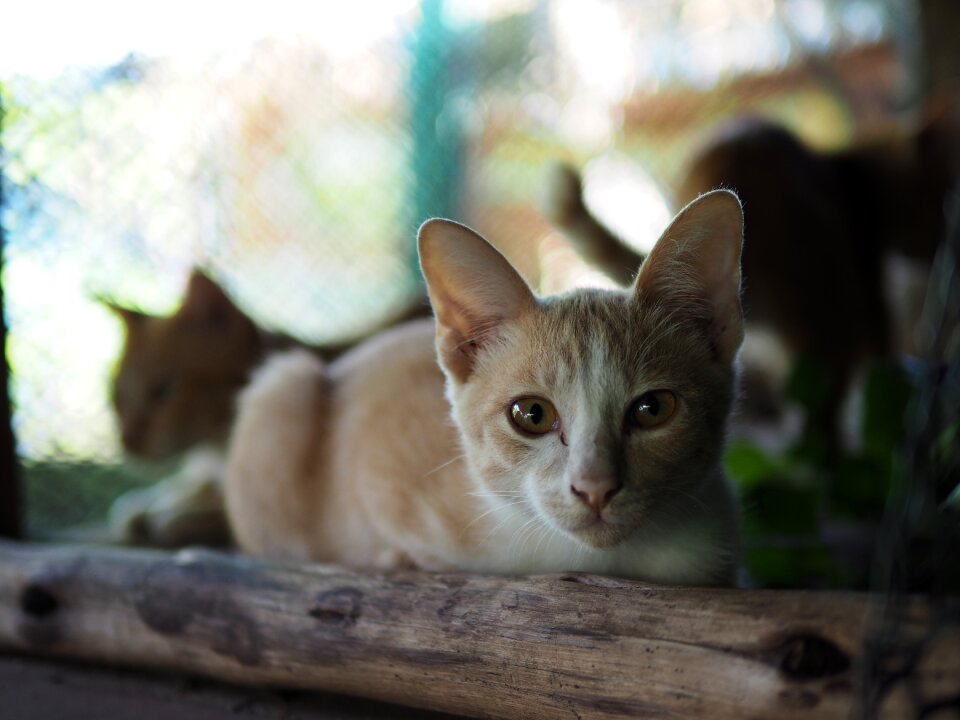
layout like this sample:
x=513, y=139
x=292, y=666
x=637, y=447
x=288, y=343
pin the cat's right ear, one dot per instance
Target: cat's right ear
x=133, y=320
x=473, y=289
x=694, y=269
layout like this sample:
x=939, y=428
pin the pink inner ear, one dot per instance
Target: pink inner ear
x=472, y=285
x=454, y=318
x=473, y=288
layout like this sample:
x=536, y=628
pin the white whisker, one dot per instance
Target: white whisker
x=441, y=466
x=525, y=533
x=499, y=525
x=493, y=509
x=545, y=533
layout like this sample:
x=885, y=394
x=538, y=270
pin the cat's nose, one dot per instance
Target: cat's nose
x=596, y=493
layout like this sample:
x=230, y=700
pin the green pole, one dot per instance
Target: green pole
x=437, y=139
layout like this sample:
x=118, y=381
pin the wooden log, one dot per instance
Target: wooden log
x=555, y=646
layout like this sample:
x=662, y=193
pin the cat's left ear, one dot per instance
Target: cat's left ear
x=694, y=269
x=473, y=289
x=133, y=320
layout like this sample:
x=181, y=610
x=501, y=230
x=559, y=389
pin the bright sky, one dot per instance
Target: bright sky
x=41, y=37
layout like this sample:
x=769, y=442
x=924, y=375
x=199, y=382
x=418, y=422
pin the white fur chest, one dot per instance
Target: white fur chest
x=523, y=543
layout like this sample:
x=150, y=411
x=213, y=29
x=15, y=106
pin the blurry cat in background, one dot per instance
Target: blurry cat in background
x=818, y=227
x=178, y=375
x=174, y=393
x=586, y=430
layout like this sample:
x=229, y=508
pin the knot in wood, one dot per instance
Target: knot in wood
x=38, y=602
x=341, y=607
x=40, y=624
x=809, y=656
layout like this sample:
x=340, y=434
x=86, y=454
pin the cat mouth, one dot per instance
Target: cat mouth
x=599, y=532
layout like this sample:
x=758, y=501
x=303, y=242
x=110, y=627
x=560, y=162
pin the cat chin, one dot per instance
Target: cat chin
x=598, y=534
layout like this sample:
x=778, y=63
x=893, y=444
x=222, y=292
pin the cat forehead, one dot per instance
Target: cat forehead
x=592, y=336
x=587, y=322
x=591, y=311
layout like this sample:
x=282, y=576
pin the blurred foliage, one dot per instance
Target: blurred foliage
x=811, y=513
x=813, y=516
x=61, y=495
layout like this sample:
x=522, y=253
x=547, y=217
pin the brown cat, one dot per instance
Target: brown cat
x=175, y=392
x=178, y=375
x=818, y=226
x=582, y=431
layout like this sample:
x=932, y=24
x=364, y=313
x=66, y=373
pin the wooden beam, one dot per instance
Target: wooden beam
x=10, y=506
x=495, y=647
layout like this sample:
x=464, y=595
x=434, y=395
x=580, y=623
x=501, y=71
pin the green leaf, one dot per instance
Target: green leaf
x=860, y=487
x=885, y=396
x=812, y=448
x=946, y=448
x=808, y=384
x=749, y=466
x=805, y=566
x=776, y=509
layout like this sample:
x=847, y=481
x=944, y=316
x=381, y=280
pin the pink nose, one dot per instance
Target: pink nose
x=596, y=493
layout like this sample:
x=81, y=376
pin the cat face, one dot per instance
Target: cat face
x=178, y=377
x=592, y=411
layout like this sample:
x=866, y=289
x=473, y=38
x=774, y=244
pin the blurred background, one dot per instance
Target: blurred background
x=291, y=149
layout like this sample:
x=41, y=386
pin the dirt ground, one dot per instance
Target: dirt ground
x=39, y=689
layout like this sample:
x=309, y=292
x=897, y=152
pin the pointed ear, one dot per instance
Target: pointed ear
x=473, y=289
x=206, y=302
x=695, y=269
x=133, y=320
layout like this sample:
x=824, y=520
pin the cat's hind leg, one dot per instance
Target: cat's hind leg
x=272, y=492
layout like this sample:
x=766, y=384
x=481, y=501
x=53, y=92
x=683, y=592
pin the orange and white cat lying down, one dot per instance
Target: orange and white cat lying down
x=586, y=429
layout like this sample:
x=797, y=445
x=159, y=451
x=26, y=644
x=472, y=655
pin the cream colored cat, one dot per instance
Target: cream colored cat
x=585, y=434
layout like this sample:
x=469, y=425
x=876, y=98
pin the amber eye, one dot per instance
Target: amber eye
x=652, y=409
x=534, y=415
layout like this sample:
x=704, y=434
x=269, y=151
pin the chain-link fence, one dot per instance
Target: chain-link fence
x=293, y=157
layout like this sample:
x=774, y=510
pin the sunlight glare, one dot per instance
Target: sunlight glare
x=42, y=37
